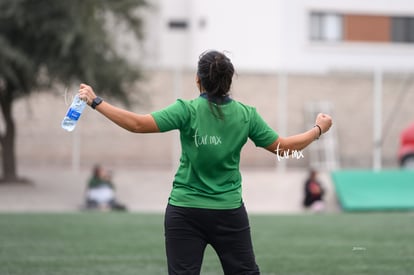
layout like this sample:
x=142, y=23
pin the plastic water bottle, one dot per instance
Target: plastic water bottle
x=73, y=114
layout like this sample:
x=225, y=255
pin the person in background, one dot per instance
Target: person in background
x=314, y=193
x=100, y=193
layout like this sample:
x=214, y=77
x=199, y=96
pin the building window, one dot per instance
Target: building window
x=403, y=29
x=325, y=26
x=178, y=24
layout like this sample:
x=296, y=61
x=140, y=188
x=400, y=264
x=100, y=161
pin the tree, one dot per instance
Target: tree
x=46, y=41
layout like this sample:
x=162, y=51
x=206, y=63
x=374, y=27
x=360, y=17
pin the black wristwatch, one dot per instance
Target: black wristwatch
x=96, y=101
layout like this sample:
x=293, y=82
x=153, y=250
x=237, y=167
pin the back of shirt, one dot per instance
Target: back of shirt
x=208, y=175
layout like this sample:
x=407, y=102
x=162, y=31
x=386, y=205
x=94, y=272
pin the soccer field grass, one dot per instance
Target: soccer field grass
x=133, y=243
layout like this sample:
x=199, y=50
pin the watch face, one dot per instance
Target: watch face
x=96, y=101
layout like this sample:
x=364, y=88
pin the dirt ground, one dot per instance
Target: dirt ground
x=61, y=189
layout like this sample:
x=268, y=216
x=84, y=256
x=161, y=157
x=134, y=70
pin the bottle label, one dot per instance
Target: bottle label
x=73, y=114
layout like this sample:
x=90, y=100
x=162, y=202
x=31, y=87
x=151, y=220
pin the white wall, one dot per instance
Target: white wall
x=248, y=35
x=246, y=29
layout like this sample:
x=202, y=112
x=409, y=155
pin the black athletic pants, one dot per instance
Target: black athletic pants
x=189, y=230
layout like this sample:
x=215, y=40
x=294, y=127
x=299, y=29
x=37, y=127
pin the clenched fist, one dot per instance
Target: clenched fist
x=324, y=121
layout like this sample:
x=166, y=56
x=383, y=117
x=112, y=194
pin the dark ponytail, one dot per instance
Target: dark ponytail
x=215, y=72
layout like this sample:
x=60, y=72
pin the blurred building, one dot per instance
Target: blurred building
x=305, y=36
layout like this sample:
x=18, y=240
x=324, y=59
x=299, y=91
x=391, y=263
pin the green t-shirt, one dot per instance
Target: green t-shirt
x=208, y=175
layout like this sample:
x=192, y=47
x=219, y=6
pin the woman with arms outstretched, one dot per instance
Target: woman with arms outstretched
x=205, y=205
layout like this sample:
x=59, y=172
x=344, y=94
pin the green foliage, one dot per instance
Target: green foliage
x=43, y=42
x=15, y=67
x=132, y=243
x=66, y=40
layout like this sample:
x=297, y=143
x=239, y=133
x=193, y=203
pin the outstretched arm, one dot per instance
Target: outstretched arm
x=286, y=145
x=128, y=120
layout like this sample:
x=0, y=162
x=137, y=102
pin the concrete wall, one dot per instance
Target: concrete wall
x=41, y=141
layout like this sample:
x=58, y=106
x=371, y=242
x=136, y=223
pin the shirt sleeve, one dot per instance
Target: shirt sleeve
x=260, y=132
x=172, y=117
